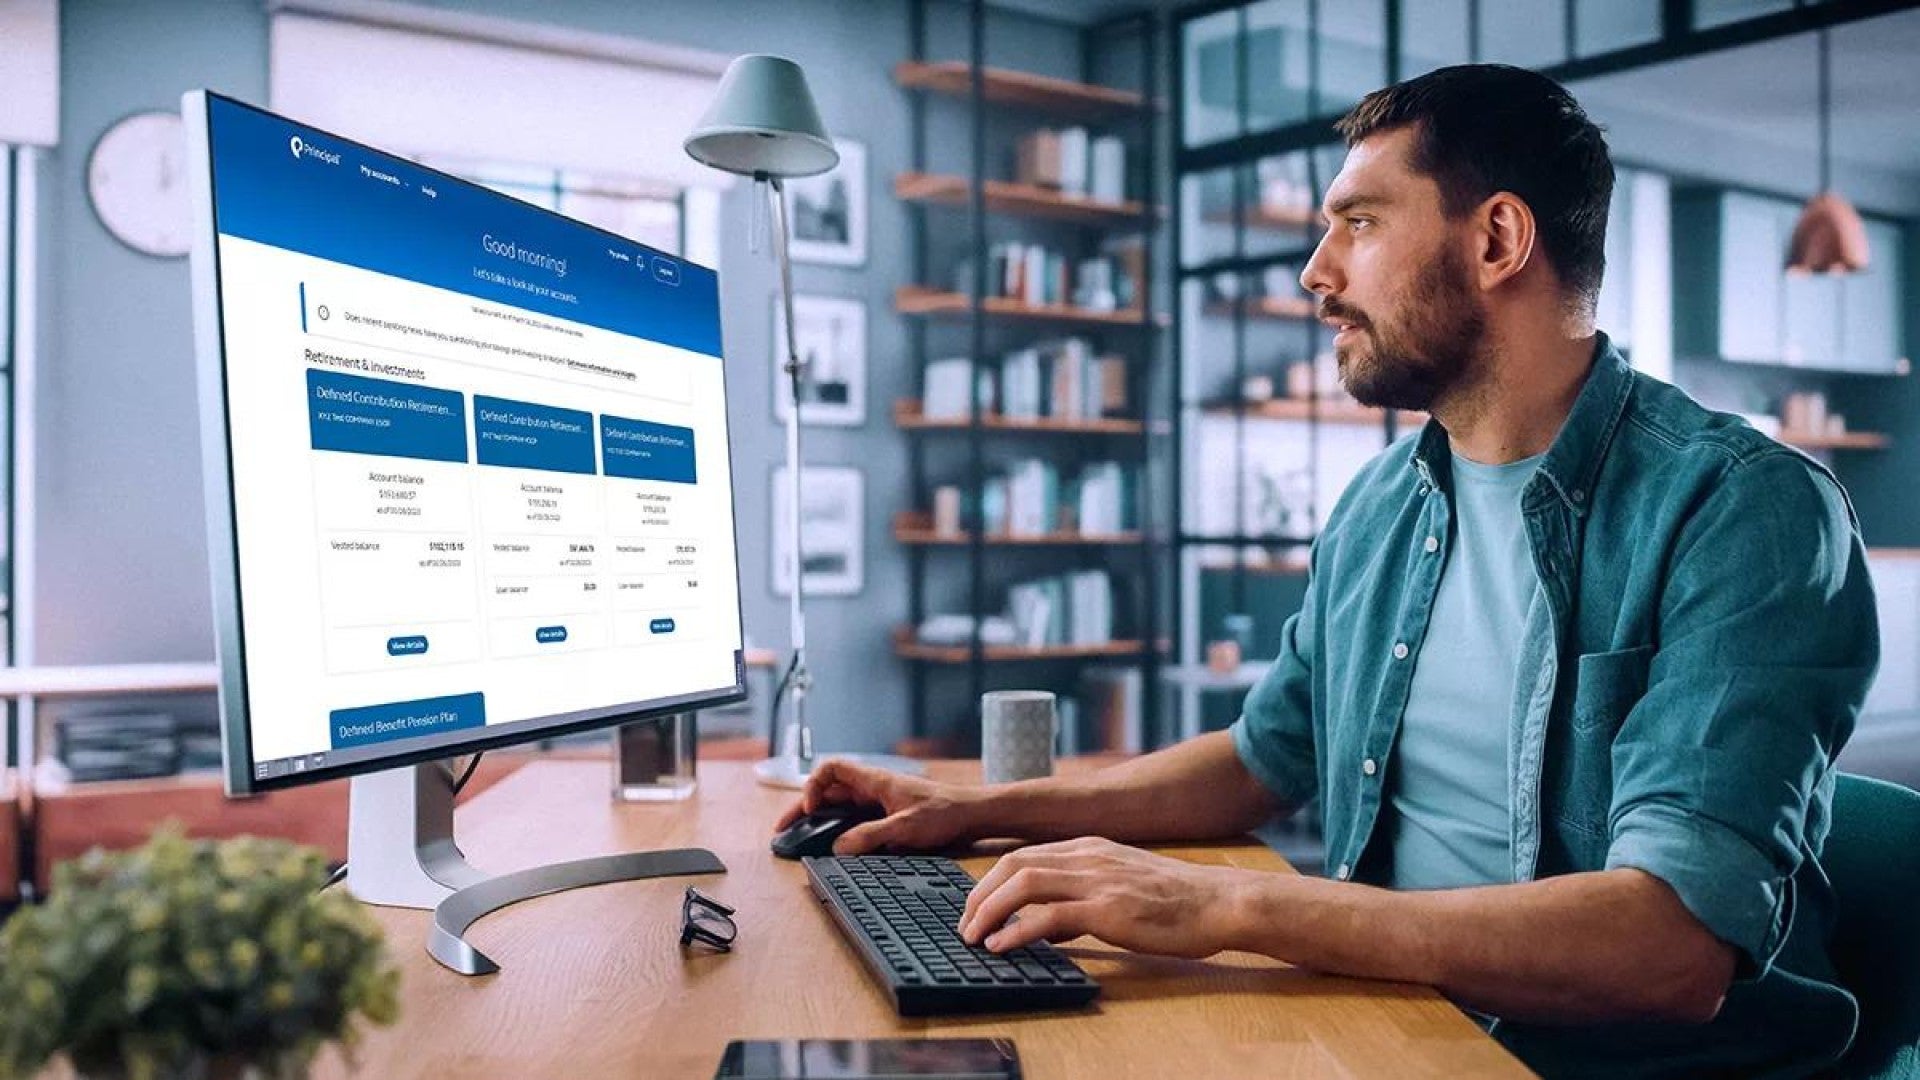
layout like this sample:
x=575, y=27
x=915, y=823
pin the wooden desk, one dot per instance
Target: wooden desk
x=594, y=982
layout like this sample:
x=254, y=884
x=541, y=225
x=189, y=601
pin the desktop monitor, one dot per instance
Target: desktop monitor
x=467, y=473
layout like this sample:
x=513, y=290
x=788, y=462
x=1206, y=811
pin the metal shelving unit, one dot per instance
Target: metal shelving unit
x=987, y=98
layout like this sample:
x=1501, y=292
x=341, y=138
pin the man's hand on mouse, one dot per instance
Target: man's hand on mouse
x=1124, y=896
x=922, y=814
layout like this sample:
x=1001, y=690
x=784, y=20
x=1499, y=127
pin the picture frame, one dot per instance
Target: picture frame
x=828, y=212
x=830, y=334
x=833, y=523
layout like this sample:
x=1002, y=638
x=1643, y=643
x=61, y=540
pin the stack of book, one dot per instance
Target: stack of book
x=1074, y=162
x=1070, y=609
x=1037, y=274
x=1030, y=500
x=1062, y=380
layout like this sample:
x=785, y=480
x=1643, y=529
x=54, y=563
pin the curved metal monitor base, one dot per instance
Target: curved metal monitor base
x=459, y=911
x=400, y=853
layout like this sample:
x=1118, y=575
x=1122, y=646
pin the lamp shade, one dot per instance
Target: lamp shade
x=1829, y=238
x=763, y=122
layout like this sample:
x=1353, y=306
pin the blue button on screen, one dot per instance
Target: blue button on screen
x=547, y=635
x=408, y=645
x=661, y=626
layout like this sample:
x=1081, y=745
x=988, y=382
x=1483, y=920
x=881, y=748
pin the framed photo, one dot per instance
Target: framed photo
x=830, y=333
x=829, y=211
x=833, y=518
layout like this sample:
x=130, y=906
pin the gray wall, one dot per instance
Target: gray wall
x=122, y=574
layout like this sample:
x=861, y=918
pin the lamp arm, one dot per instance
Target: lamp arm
x=801, y=678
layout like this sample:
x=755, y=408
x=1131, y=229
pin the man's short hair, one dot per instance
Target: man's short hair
x=1484, y=128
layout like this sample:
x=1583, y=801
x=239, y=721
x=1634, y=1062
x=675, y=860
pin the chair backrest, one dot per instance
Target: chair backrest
x=1873, y=858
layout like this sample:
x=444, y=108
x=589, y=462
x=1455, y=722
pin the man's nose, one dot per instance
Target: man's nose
x=1320, y=275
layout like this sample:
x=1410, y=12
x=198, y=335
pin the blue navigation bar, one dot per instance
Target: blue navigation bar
x=406, y=719
x=357, y=415
x=297, y=188
x=644, y=450
x=522, y=435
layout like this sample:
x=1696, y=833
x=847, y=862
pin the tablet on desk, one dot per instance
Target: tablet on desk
x=870, y=1059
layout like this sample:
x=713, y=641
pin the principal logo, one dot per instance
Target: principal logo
x=303, y=149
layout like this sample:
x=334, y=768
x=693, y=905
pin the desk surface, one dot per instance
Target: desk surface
x=594, y=982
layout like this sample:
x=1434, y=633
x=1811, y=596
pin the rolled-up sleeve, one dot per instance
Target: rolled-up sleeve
x=1767, y=642
x=1274, y=735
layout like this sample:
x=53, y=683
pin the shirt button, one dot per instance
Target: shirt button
x=1579, y=495
x=1369, y=767
x=1343, y=871
x=1399, y=650
x=1432, y=545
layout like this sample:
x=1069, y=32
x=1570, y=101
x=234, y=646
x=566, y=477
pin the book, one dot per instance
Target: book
x=1107, y=169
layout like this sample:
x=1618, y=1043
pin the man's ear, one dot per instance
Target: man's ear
x=1505, y=239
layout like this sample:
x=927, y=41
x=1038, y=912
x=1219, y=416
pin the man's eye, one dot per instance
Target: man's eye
x=1355, y=224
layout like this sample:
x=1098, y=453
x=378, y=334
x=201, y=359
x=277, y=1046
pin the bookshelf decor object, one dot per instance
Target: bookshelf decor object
x=1034, y=332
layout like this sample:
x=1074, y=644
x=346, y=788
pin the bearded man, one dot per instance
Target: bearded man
x=1568, y=682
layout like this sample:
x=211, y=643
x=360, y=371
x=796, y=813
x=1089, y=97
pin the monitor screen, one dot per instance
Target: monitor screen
x=467, y=463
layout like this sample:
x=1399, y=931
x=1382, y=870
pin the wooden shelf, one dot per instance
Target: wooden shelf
x=906, y=647
x=1270, y=568
x=1851, y=440
x=907, y=415
x=914, y=527
x=1261, y=217
x=1022, y=200
x=1279, y=308
x=919, y=300
x=1343, y=412
x=1006, y=87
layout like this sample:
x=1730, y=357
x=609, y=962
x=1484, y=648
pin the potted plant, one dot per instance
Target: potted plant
x=190, y=958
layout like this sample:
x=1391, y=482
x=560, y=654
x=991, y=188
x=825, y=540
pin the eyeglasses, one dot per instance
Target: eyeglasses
x=707, y=921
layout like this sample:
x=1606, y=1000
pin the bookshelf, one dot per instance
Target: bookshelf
x=1058, y=97
x=907, y=415
x=1849, y=440
x=942, y=303
x=914, y=527
x=1309, y=411
x=1280, y=308
x=1017, y=200
x=974, y=309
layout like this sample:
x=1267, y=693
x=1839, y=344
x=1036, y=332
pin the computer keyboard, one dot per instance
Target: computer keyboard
x=902, y=913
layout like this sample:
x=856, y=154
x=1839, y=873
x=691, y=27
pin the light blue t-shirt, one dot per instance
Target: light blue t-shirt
x=1451, y=824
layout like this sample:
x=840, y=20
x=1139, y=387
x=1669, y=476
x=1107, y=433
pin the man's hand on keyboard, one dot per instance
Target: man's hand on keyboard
x=1121, y=895
x=922, y=814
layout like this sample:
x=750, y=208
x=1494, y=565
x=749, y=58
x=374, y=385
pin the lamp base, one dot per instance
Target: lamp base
x=784, y=772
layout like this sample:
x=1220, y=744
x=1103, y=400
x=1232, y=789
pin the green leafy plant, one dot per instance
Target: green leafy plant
x=186, y=955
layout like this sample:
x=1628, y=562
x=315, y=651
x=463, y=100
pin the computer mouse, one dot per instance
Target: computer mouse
x=815, y=833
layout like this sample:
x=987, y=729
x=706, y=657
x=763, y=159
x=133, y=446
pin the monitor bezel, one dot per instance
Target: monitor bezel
x=236, y=742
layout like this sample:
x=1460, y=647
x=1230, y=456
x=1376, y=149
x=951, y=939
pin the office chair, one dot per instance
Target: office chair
x=1873, y=858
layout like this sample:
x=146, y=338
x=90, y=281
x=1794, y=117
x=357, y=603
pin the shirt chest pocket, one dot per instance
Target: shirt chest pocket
x=1606, y=688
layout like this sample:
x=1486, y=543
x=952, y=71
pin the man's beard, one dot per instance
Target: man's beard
x=1411, y=363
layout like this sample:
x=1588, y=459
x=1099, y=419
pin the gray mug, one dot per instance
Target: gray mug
x=1016, y=735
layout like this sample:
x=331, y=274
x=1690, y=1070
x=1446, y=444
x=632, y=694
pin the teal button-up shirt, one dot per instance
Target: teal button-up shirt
x=1707, y=637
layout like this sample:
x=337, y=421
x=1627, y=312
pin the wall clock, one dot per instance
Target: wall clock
x=137, y=182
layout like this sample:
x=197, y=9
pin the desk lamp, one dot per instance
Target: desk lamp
x=763, y=124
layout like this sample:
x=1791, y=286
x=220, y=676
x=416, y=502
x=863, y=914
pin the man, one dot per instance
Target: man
x=1568, y=681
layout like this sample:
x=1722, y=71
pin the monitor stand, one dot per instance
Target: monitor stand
x=401, y=853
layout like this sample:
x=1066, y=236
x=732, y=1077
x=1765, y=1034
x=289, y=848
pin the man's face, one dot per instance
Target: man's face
x=1392, y=278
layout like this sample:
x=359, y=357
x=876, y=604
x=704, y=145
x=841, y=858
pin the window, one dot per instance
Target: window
x=648, y=211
